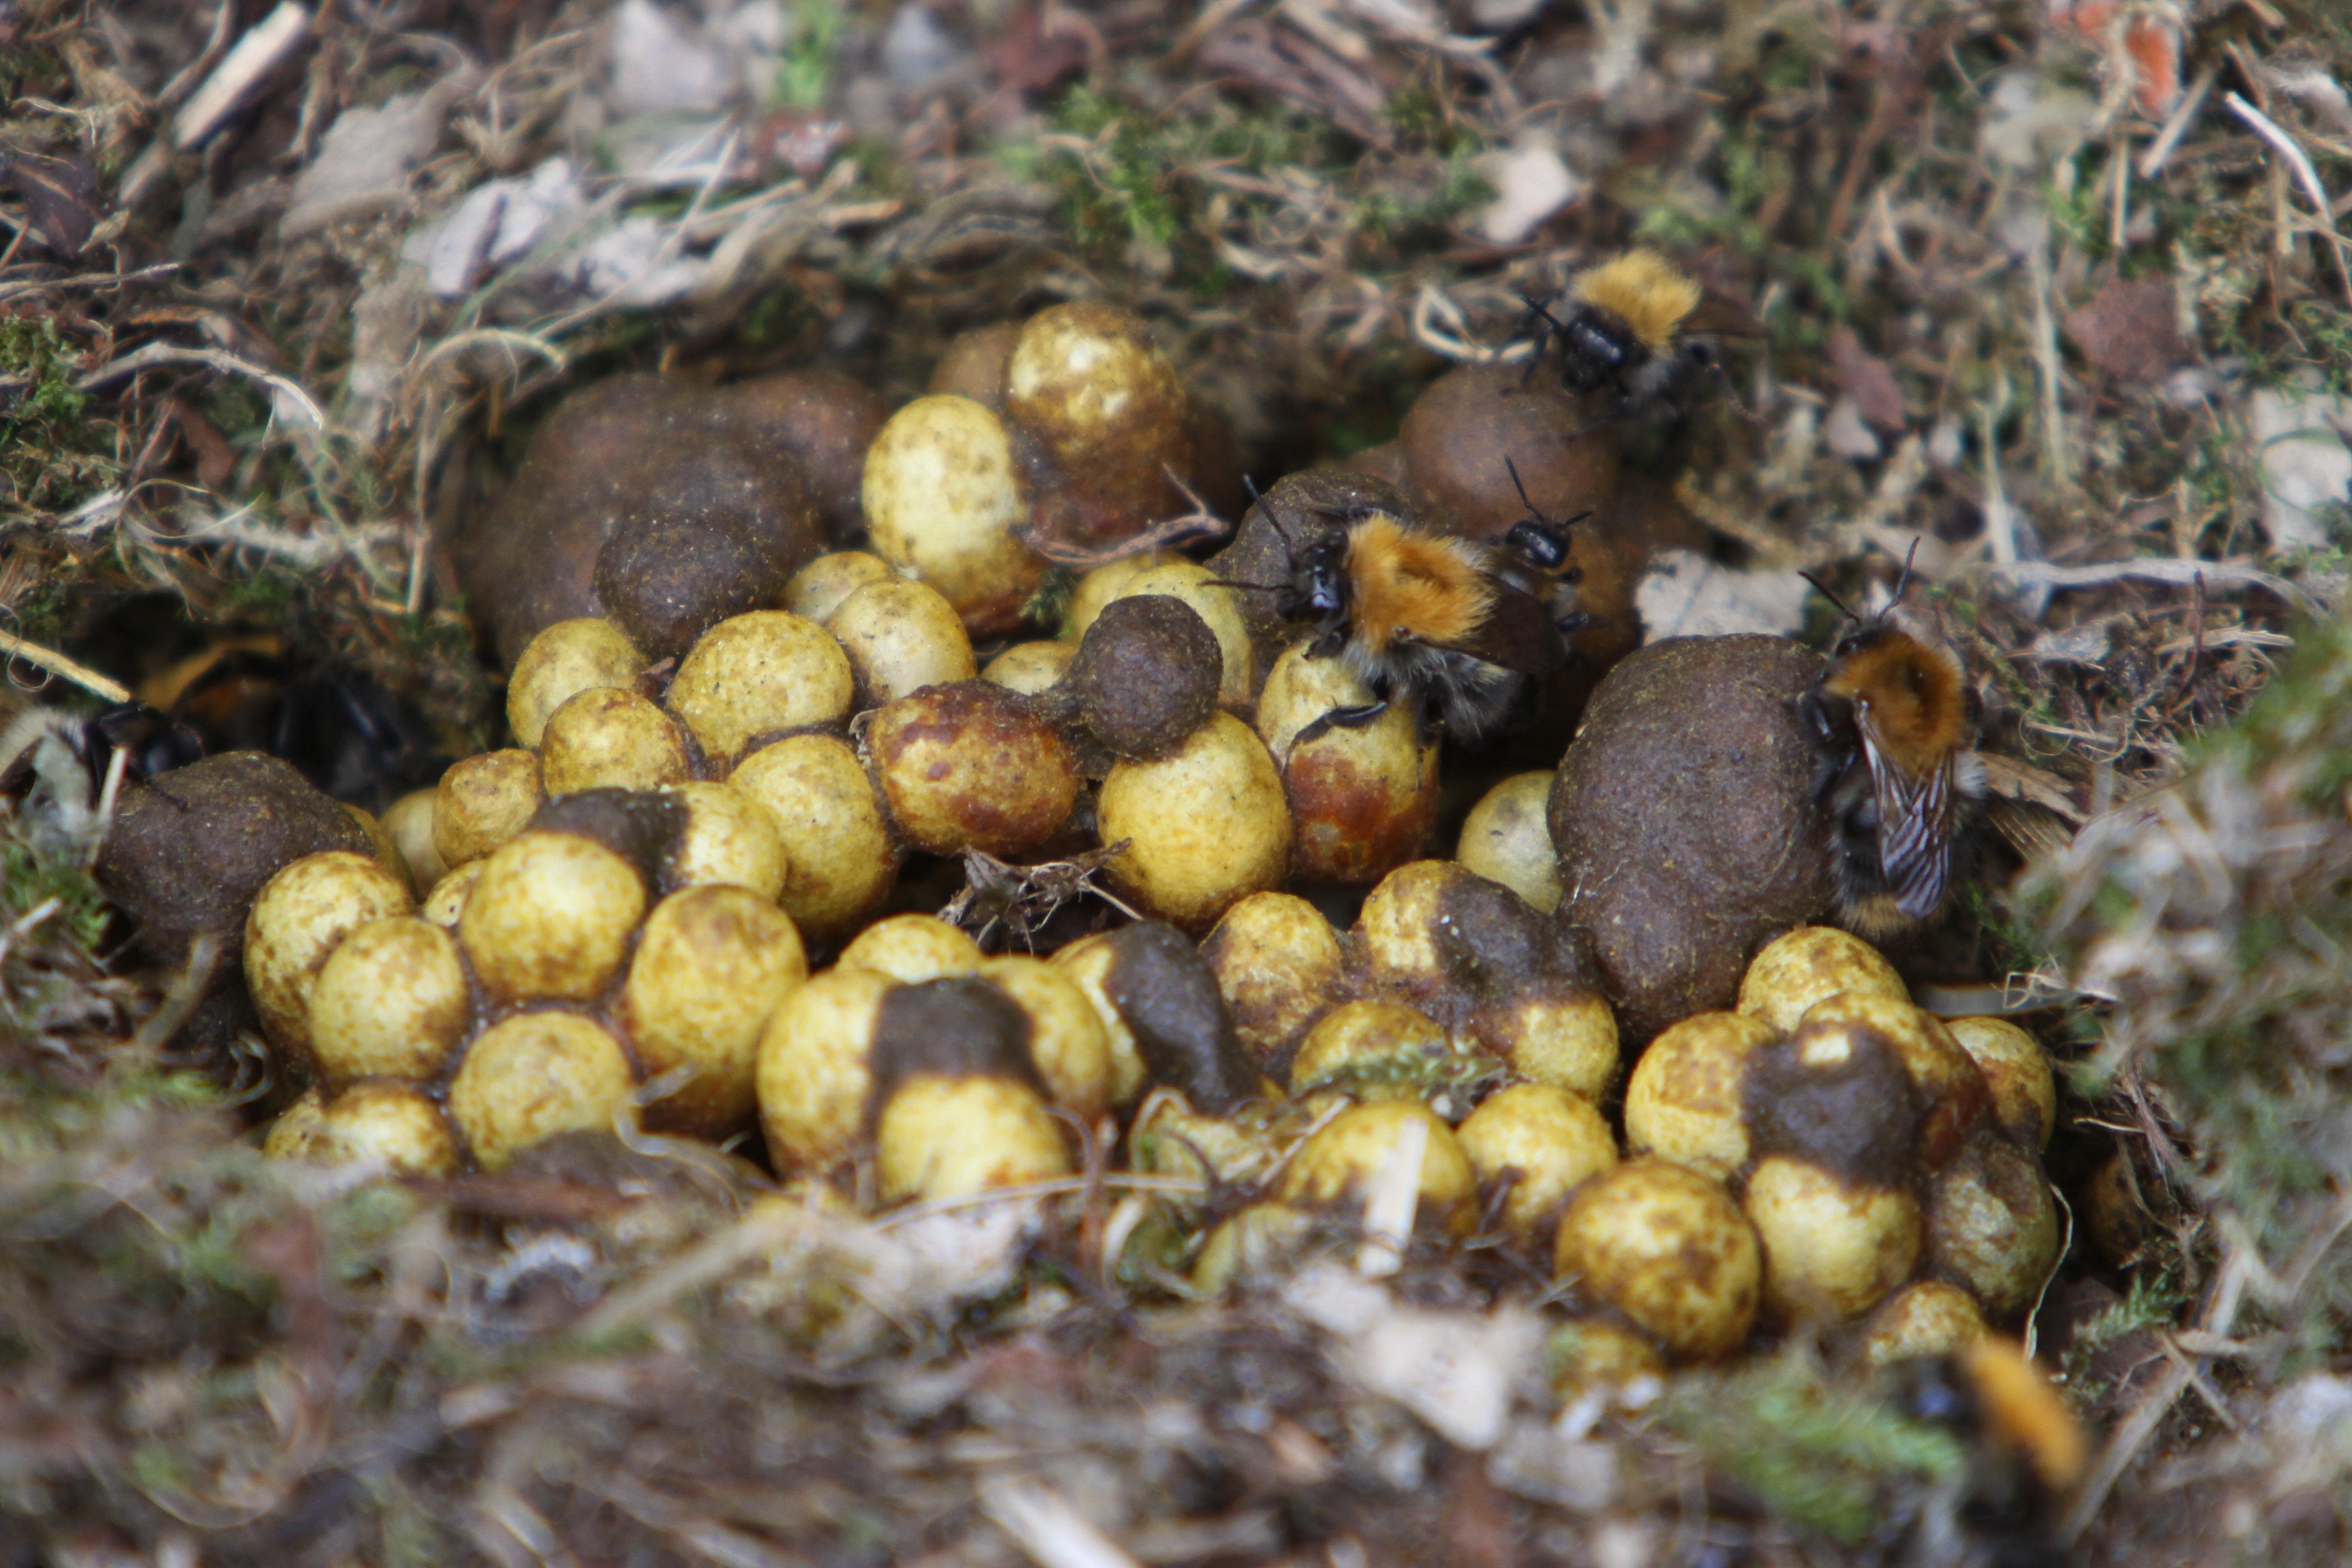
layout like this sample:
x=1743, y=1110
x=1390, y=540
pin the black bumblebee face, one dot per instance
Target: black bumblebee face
x=1540, y=544
x=1319, y=586
x=1596, y=349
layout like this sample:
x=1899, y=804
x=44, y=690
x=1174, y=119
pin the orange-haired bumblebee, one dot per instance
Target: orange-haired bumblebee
x=1456, y=627
x=1893, y=722
x=1623, y=331
x=2025, y=1452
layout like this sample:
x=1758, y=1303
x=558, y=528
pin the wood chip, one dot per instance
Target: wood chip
x=268, y=44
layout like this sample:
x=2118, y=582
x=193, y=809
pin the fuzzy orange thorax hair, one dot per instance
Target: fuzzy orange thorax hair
x=1916, y=689
x=1404, y=582
x=1641, y=290
x=2020, y=1406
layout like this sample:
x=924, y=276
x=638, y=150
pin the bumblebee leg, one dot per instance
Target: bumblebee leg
x=1330, y=643
x=1575, y=621
x=1354, y=718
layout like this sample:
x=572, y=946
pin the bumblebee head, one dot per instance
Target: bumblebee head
x=1320, y=583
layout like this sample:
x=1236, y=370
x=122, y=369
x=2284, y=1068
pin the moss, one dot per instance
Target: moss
x=1822, y=1454
x=54, y=458
x=804, y=74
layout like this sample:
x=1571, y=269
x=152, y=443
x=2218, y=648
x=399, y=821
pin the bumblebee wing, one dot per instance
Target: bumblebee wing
x=1915, y=824
x=1519, y=634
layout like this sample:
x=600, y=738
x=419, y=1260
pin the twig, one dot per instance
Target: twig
x=1042, y=1522
x=12, y=291
x=1213, y=16
x=65, y=668
x=2324, y=210
x=153, y=354
x=187, y=75
x=2133, y=1432
x=268, y=45
x=2184, y=114
x=2046, y=364
x=2177, y=573
x=117, y=763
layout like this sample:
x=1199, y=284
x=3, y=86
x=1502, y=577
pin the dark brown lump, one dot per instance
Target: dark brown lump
x=972, y=364
x=1457, y=435
x=728, y=484
x=1496, y=946
x=1146, y=675
x=955, y=1027
x=1686, y=824
x=645, y=827
x=1854, y=1113
x=187, y=852
x=1167, y=995
x=824, y=421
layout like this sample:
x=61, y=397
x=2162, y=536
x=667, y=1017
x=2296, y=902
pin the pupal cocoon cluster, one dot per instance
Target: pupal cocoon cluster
x=483, y=801
x=944, y=503
x=1362, y=798
x=1472, y=954
x=1205, y=825
x=970, y=765
x=901, y=637
x=940, y=1078
x=618, y=959
x=563, y=661
x=1666, y=1247
x=302, y=914
x=1876, y=1153
x=1279, y=965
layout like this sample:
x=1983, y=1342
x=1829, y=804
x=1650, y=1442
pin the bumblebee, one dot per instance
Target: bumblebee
x=1457, y=628
x=353, y=738
x=1893, y=723
x=1622, y=331
x=2025, y=1452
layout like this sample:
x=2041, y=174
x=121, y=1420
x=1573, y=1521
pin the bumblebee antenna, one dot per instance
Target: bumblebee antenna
x=1273, y=515
x=1563, y=524
x=1823, y=589
x=1552, y=328
x=1905, y=580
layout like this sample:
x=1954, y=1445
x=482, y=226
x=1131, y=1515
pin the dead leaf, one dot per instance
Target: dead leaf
x=1868, y=380
x=2130, y=329
x=2150, y=49
x=216, y=461
x=61, y=195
